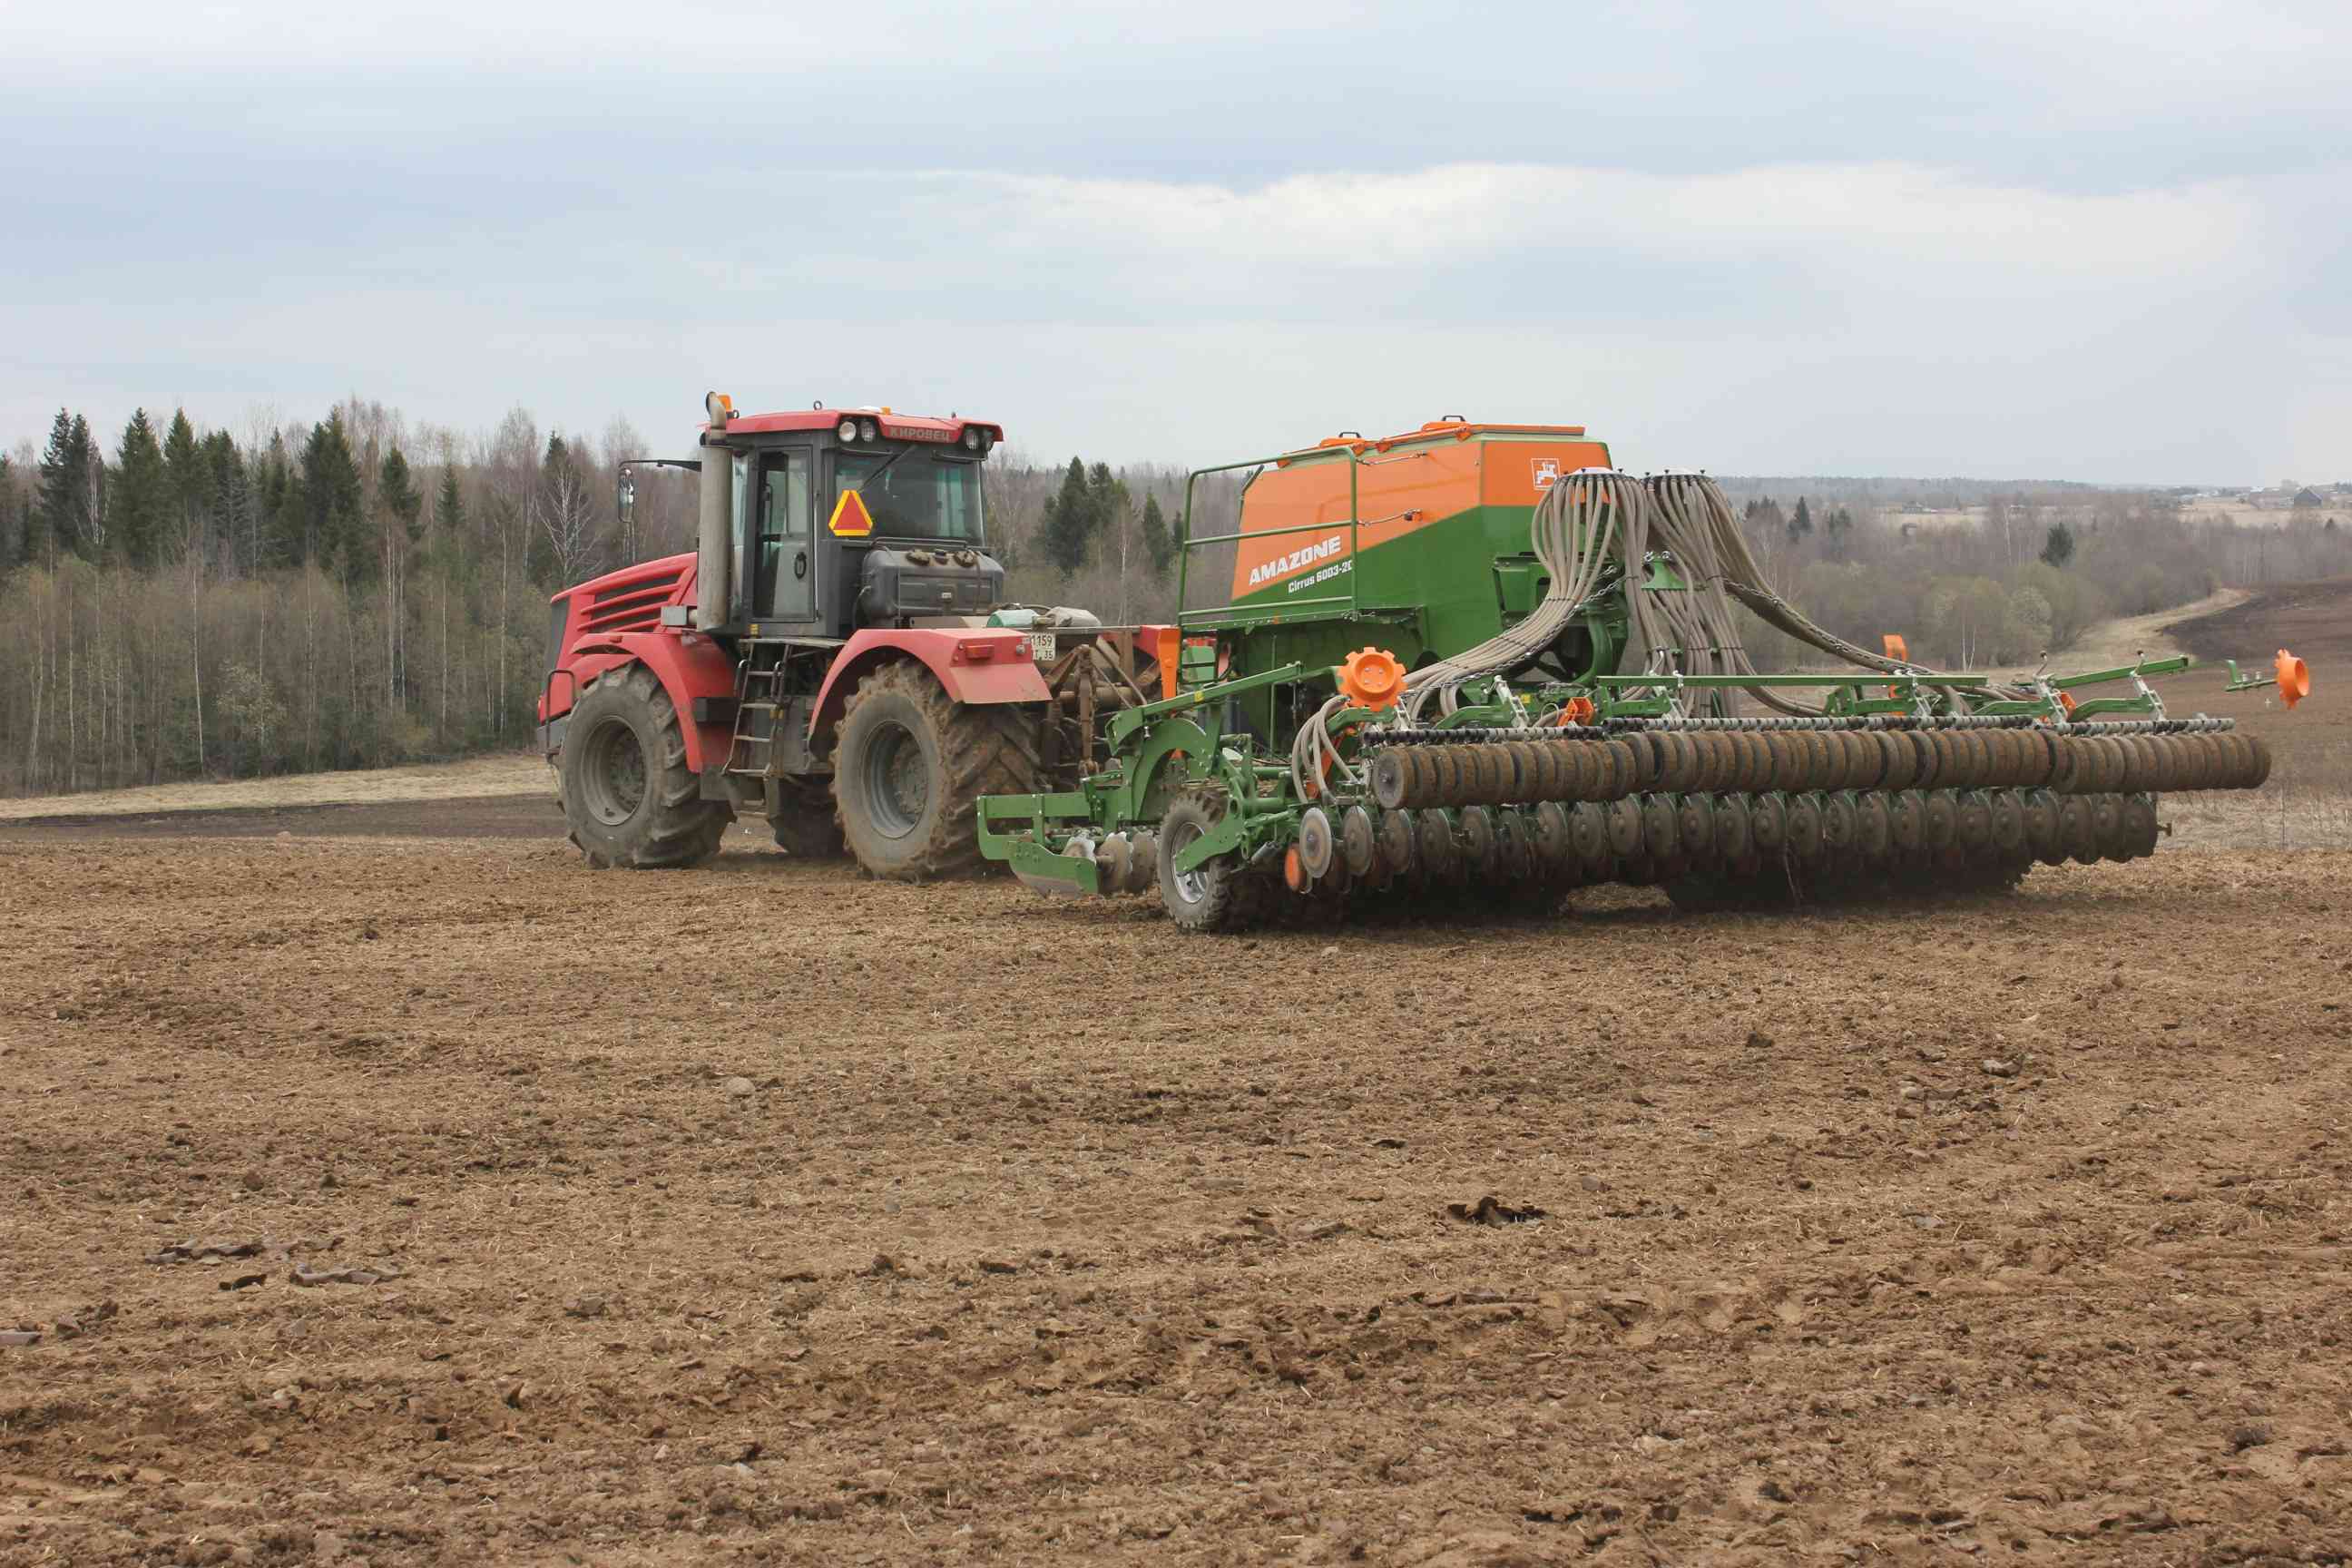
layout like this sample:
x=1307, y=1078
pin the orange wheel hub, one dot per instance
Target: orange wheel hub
x=1371, y=678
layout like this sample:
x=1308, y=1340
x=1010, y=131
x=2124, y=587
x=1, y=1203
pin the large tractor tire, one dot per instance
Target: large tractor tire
x=804, y=824
x=628, y=795
x=910, y=762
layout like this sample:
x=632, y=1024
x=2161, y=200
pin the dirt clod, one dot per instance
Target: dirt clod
x=1492, y=1210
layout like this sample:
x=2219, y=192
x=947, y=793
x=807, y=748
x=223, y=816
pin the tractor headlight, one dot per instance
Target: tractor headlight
x=972, y=438
x=867, y=431
x=848, y=430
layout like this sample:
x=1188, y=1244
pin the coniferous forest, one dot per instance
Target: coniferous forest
x=187, y=601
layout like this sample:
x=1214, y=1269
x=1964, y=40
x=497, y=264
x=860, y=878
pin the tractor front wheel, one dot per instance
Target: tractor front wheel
x=909, y=765
x=628, y=795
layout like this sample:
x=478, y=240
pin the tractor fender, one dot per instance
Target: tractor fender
x=689, y=667
x=975, y=666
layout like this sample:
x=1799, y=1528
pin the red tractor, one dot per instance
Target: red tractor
x=834, y=656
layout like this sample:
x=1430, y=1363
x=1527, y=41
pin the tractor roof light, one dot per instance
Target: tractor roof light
x=847, y=430
x=869, y=431
x=972, y=438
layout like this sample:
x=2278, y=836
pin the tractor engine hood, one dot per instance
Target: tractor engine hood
x=898, y=583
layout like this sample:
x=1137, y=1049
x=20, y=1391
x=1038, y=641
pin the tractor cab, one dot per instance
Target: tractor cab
x=840, y=519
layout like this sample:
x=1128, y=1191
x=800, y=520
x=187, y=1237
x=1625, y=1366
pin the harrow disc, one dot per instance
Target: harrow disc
x=1356, y=839
x=1392, y=775
x=2107, y=827
x=1838, y=826
x=2074, y=841
x=1514, y=846
x=1805, y=833
x=1767, y=824
x=1873, y=832
x=1907, y=824
x=1659, y=839
x=1732, y=840
x=1624, y=822
x=1440, y=859
x=2139, y=828
x=1555, y=846
x=2008, y=823
x=1480, y=857
x=1400, y=846
x=2040, y=810
x=1940, y=819
x=1974, y=823
x=1587, y=832
x=1315, y=842
x=1694, y=825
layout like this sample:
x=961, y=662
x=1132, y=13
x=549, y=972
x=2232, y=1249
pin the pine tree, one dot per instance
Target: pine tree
x=188, y=480
x=233, y=510
x=277, y=506
x=139, y=508
x=449, y=505
x=1800, y=522
x=60, y=503
x=1159, y=539
x=11, y=536
x=2058, y=546
x=401, y=498
x=1072, y=518
x=331, y=523
x=1838, y=525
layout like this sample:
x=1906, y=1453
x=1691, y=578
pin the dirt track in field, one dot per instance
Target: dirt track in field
x=758, y=1213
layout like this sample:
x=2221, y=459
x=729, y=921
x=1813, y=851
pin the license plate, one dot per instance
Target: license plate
x=1040, y=646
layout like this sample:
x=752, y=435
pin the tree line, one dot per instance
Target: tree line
x=358, y=591
x=2017, y=575
x=349, y=594
x=187, y=601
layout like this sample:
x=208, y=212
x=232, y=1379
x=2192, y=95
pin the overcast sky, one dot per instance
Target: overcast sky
x=2106, y=241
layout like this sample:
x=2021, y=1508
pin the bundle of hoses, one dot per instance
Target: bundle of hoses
x=1691, y=519
x=1575, y=535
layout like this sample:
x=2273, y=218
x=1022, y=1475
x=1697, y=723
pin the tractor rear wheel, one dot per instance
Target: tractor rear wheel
x=909, y=765
x=628, y=795
x=805, y=824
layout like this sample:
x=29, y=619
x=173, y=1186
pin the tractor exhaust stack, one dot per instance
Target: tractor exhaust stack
x=713, y=589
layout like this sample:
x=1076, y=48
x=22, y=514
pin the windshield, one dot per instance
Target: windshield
x=915, y=496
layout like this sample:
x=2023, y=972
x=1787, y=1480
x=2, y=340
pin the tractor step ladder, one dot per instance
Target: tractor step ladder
x=758, y=689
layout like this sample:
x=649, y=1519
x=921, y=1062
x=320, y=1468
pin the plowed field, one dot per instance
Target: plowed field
x=760, y=1213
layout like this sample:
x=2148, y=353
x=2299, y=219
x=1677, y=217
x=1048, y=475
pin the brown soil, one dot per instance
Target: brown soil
x=1030, y=1232
x=2309, y=802
x=1033, y=1233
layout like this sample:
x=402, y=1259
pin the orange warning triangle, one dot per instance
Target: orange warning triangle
x=850, y=518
